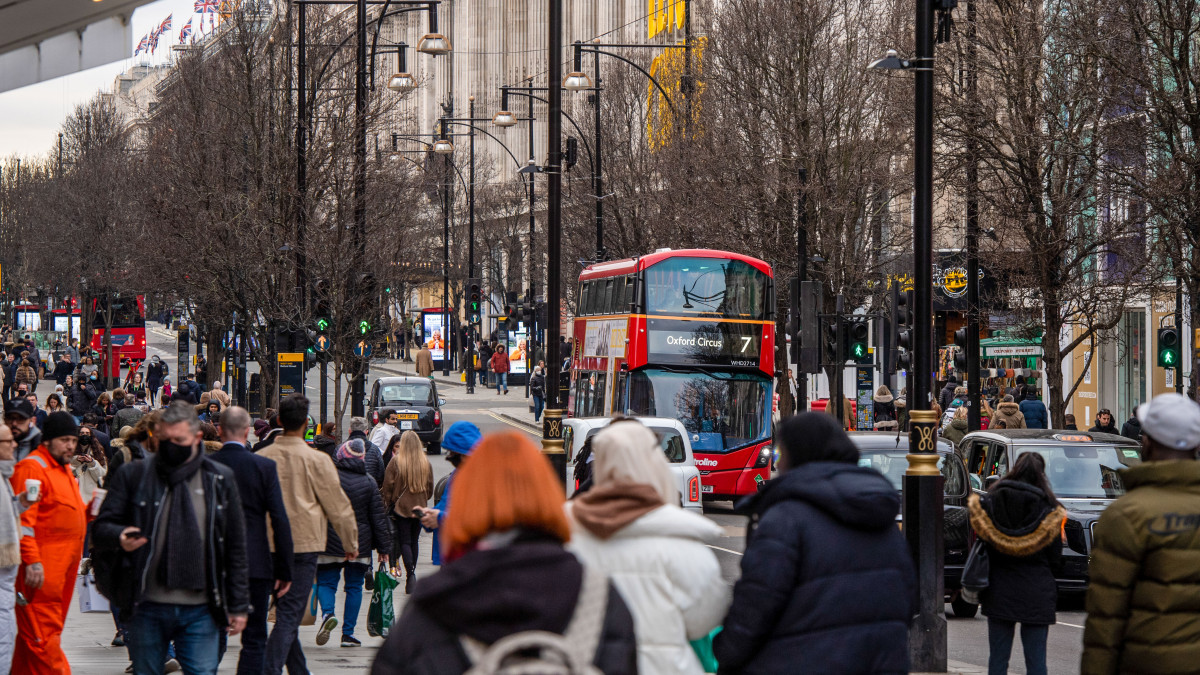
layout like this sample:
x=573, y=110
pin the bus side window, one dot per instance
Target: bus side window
x=622, y=379
x=581, y=310
x=594, y=300
x=608, y=296
x=630, y=297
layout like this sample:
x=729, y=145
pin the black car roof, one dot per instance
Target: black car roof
x=401, y=379
x=880, y=441
x=1047, y=436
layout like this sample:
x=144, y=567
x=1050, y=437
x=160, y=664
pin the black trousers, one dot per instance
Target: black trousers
x=404, y=544
x=254, y=638
x=283, y=645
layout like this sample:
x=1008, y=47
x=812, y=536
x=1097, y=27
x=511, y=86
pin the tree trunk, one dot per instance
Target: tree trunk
x=1052, y=358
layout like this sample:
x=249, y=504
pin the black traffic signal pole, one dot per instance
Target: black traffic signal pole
x=972, y=374
x=802, y=273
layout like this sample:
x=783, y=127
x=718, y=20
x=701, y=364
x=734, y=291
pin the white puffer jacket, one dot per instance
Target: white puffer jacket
x=669, y=578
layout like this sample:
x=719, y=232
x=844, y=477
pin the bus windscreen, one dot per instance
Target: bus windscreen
x=708, y=287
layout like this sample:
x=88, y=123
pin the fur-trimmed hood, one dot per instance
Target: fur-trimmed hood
x=1016, y=519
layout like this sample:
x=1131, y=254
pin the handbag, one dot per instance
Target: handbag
x=975, y=572
x=703, y=647
x=310, y=608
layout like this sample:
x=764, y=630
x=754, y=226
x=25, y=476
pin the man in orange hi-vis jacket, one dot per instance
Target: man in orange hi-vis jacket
x=52, y=533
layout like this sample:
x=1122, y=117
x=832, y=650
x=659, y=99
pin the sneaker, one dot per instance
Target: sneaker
x=172, y=666
x=129, y=668
x=118, y=640
x=350, y=641
x=327, y=626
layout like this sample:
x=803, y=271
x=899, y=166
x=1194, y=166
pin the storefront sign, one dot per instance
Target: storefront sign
x=1015, y=350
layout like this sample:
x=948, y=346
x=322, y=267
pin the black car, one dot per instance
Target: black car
x=415, y=402
x=885, y=452
x=1083, y=471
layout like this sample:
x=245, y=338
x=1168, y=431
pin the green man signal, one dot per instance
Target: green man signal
x=857, y=333
x=1168, y=347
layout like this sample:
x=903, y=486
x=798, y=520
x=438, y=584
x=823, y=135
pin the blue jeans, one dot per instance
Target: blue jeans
x=191, y=628
x=501, y=382
x=539, y=404
x=1000, y=641
x=327, y=583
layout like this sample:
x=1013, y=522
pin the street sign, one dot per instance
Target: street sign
x=322, y=344
x=363, y=349
x=290, y=367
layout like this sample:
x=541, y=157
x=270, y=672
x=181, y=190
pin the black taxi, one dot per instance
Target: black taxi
x=1083, y=471
x=886, y=453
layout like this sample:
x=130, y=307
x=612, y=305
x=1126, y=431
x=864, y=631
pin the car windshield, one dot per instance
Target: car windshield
x=415, y=393
x=721, y=411
x=1084, y=471
x=669, y=439
x=893, y=464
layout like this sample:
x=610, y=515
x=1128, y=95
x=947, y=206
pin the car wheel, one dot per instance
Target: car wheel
x=962, y=608
x=433, y=449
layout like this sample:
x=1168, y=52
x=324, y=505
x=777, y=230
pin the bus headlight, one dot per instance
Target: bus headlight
x=764, y=457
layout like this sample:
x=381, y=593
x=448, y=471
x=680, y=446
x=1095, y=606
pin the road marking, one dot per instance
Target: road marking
x=738, y=553
x=510, y=423
x=1060, y=623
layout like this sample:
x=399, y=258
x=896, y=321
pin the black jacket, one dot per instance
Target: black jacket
x=1023, y=530
x=1110, y=429
x=82, y=399
x=947, y=394
x=1132, y=429
x=327, y=445
x=489, y=594
x=258, y=486
x=373, y=458
x=135, y=496
x=826, y=577
x=537, y=384
x=155, y=373
x=363, y=493
x=61, y=370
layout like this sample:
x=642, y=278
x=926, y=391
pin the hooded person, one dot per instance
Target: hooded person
x=1132, y=428
x=1021, y=520
x=957, y=428
x=1009, y=413
x=826, y=576
x=885, y=409
x=947, y=393
x=507, y=573
x=630, y=525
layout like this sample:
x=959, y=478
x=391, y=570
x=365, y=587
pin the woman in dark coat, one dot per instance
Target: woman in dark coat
x=373, y=533
x=827, y=582
x=1021, y=521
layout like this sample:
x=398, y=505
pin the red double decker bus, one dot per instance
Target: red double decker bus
x=128, y=328
x=688, y=335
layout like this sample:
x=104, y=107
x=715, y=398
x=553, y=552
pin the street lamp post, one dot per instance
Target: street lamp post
x=552, y=430
x=923, y=515
x=445, y=148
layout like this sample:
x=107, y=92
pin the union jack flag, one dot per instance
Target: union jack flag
x=143, y=45
x=186, y=31
x=154, y=34
x=206, y=6
x=165, y=25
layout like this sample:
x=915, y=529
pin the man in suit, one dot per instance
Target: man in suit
x=258, y=484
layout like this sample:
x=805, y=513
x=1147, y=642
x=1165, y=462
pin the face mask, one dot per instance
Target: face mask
x=173, y=454
x=93, y=378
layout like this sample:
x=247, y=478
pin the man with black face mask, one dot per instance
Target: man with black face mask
x=163, y=511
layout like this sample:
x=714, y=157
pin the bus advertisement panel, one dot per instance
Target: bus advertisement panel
x=687, y=335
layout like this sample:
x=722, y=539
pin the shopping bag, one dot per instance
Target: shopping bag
x=704, y=650
x=90, y=599
x=310, y=608
x=383, y=609
x=975, y=572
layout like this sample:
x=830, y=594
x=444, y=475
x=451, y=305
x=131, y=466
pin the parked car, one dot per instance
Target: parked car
x=671, y=434
x=416, y=402
x=1083, y=471
x=886, y=452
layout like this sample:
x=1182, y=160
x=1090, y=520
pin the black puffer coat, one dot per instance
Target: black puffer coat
x=1023, y=530
x=490, y=594
x=827, y=577
x=373, y=532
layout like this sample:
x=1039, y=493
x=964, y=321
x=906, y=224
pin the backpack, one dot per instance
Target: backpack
x=538, y=652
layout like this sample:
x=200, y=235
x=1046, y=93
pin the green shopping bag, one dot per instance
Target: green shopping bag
x=382, y=612
x=704, y=650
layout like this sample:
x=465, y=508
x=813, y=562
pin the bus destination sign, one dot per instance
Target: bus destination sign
x=704, y=343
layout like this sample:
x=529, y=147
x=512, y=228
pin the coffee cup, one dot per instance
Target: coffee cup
x=33, y=489
x=98, y=495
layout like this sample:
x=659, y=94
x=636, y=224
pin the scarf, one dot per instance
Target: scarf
x=605, y=509
x=179, y=567
x=10, y=520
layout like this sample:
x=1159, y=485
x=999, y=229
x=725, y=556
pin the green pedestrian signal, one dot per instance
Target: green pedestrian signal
x=860, y=350
x=1168, y=347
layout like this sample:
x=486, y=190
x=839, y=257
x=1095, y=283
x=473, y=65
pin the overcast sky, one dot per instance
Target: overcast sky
x=30, y=117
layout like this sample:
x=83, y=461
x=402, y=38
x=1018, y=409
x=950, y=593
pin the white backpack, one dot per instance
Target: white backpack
x=538, y=652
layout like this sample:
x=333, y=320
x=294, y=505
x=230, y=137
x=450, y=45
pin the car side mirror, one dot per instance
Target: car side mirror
x=976, y=482
x=441, y=401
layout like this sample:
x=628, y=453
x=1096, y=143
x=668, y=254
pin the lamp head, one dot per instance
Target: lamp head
x=504, y=119
x=435, y=44
x=576, y=81
x=443, y=146
x=891, y=61
x=402, y=83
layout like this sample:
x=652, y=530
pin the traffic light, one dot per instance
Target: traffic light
x=474, y=301
x=793, y=327
x=902, y=319
x=962, y=340
x=829, y=345
x=1168, y=347
x=856, y=333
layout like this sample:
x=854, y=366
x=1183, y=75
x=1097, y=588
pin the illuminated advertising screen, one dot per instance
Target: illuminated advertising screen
x=518, y=346
x=435, y=334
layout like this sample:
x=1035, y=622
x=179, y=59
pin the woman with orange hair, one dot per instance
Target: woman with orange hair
x=506, y=572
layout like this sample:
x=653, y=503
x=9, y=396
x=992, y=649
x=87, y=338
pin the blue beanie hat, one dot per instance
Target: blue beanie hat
x=461, y=438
